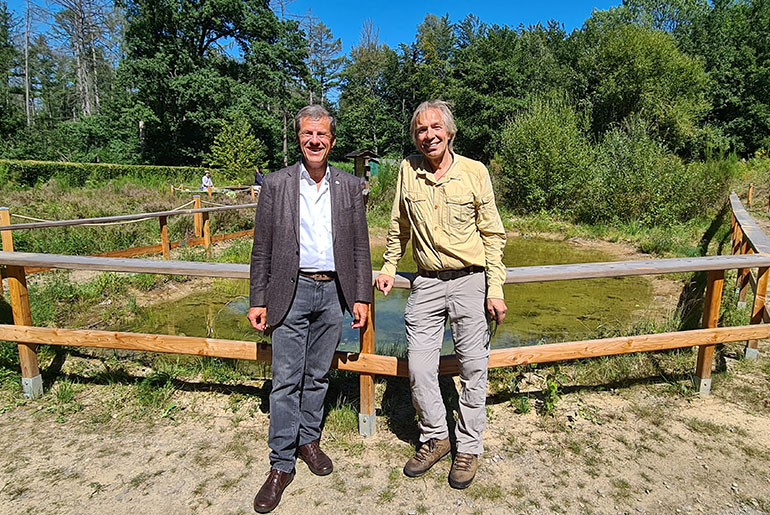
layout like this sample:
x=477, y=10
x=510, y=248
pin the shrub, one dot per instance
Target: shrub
x=30, y=173
x=635, y=177
x=544, y=156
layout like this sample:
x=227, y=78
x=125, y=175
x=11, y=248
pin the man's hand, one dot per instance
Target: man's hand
x=258, y=317
x=384, y=283
x=360, y=314
x=497, y=309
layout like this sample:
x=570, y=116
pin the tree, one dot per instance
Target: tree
x=495, y=73
x=637, y=70
x=180, y=63
x=365, y=120
x=10, y=114
x=324, y=62
x=236, y=150
x=82, y=25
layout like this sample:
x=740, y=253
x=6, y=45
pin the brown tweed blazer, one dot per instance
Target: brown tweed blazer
x=275, y=255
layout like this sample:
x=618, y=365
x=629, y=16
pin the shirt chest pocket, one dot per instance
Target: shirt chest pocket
x=461, y=212
x=417, y=206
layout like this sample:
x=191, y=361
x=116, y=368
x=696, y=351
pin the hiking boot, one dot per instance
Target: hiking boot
x=463, y=470
x=430, y=452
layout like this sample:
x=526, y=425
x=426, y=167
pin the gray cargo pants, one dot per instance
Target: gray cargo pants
x=463, y=301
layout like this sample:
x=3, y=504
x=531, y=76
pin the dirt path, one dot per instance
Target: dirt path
x=630, y=450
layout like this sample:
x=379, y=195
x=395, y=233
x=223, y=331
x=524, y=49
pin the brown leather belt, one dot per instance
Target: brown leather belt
x=447, y=275
x=319, y=276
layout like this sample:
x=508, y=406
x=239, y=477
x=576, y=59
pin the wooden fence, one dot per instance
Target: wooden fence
x=366, y=362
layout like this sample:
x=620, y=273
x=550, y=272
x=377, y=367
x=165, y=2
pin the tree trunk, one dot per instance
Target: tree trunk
x=26, y=68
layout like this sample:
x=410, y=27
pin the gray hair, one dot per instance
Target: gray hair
x=315, y=112
x=446, y=114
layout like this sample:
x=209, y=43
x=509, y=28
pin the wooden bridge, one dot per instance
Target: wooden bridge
x=750, y=250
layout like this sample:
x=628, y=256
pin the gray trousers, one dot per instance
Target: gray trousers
x=303, y=348
x=430, y=303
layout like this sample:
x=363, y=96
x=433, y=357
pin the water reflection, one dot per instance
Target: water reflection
x=554, y=311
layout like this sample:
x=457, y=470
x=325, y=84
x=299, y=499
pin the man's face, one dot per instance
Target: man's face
x=315, y=140
x=432, y=138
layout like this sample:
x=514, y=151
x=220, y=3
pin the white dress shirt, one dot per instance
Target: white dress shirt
x=316, y=253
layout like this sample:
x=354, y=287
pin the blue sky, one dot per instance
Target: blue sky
x=398, y=19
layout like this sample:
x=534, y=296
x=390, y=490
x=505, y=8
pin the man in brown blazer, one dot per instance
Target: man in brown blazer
x=310, y=262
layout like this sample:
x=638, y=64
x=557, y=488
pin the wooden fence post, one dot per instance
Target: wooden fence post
x=209, y=188
x=742, y=280
x=165, y=244
x=31, y=380
x=716, y=281
x=366, y=416
x=5, y=214
x=206, y=234
x=172, y=189
x=751, y=194
x=198, y=217
x=758, y=310
x=252, y=192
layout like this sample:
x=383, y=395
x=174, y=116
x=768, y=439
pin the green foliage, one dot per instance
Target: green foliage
x=551, y=392
x=30, y=173
x=236, y=151
x=635, y=177
x=545, y=156
x=634, y=70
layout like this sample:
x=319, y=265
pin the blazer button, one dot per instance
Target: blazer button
x=292, y=279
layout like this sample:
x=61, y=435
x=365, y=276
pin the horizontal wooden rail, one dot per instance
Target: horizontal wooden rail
x=756, y=238
x=122, y=218
x=156, y=249
x=377, y=364
x=516, y=275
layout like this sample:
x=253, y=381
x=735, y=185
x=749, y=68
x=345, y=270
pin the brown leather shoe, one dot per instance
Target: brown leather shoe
x=269, y=495
x=317, y=461
x=463, y=470
x=430, y=452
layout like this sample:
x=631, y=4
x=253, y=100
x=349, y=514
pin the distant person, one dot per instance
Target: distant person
x=258, y=177
x=206, y=181
x=445, y=204
x=310, y=262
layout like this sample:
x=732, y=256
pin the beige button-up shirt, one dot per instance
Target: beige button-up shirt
x=453, y=221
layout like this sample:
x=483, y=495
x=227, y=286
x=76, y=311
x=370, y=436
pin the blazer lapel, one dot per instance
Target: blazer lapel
x=334, y=192
x=293, y=191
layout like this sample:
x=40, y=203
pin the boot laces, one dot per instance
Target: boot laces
x=463, y=461
x=426, y=450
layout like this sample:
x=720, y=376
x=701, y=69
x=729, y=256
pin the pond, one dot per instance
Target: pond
x=537, y=313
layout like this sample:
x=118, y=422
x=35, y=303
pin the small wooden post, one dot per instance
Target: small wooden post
x=716, y=281
x=737, y=238
x=198, y=217
x=206, y=234
x=758, y=309
x=252, y=192
x=366, y=416
x=209, y=188
x=172, y=189
x=7, y=236
x=165, y=244
x=31, y=380
x=742, y=281
x=751, y=194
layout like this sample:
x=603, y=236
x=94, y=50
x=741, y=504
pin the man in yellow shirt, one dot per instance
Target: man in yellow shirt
x=445, y=204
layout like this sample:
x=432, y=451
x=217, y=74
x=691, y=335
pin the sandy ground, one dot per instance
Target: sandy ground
x=631, y=450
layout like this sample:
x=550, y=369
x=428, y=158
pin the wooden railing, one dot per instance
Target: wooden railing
x=201, y=224
x=366, y=362
x=748, y=238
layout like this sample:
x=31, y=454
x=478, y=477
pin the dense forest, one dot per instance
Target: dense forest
x=649, y=86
